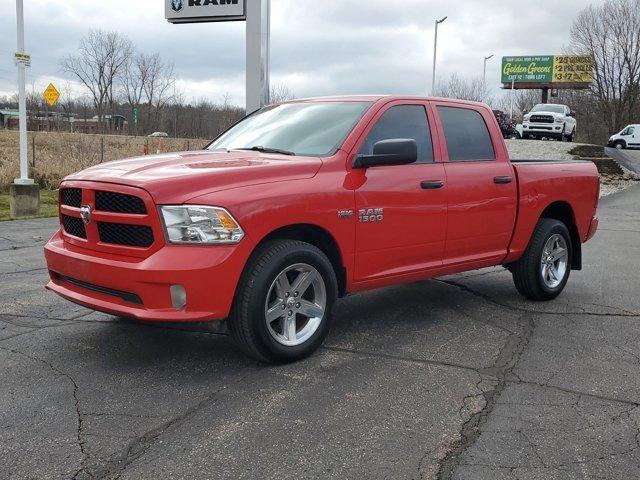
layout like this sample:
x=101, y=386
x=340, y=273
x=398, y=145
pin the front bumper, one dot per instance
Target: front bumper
x=541, y=128
x=140, y=288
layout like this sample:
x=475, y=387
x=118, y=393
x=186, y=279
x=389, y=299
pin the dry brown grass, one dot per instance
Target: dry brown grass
x=59, y=154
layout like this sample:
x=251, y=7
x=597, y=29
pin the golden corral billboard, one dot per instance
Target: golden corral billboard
x=554, y=71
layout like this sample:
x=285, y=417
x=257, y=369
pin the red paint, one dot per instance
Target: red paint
x=469, y=223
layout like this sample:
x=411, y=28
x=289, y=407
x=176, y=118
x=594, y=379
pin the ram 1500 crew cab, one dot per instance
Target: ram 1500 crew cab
x=303, y=202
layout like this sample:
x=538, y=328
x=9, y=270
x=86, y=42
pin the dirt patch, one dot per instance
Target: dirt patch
x=588, y=151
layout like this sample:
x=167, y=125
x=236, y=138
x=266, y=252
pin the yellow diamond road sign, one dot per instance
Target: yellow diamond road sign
x=51, y=95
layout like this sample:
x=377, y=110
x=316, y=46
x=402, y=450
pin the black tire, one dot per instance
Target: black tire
x=527, y=271
x=619, y=144
x=247, y=321
x=571, y=135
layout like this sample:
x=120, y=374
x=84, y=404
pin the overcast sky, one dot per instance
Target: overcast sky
x=318, y=47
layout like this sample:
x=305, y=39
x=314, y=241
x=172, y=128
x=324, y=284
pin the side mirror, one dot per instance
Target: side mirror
x=395, y=151
x=571, y=114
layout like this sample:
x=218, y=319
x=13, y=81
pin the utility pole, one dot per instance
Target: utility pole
x=258, y=46
x=484, y=71
x=435, y=50
x=513, y=83
x=24, y=194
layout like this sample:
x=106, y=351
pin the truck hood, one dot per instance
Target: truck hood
x=178, y=177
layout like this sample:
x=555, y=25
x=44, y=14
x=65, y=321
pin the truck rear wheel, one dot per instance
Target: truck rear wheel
x=282, y=309
x=543, y=270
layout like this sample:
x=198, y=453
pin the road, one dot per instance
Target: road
x=457, y=377
x=626, y=158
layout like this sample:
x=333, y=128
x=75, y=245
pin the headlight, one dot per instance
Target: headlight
x=526, y=117
x=200, y=225
x=559, y=119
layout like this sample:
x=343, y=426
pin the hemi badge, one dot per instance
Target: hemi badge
x=345, y=213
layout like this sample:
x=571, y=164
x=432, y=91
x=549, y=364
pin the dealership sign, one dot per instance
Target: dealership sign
x=191, y=11
x=550, y=70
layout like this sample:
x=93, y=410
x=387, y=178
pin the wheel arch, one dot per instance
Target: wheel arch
x=317, y=236
x=563, y=212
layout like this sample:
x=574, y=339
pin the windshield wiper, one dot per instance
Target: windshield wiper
x=258, y=148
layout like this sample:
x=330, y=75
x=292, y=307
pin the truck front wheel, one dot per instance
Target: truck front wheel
x=543, y=270
x=282, y=309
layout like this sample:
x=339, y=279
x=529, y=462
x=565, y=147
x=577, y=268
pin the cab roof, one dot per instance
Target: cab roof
x=379, y=98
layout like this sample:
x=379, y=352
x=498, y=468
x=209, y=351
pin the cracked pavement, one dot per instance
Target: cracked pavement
x=453, y=378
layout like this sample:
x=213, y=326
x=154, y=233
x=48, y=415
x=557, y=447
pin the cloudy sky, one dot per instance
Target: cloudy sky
x=318, y=47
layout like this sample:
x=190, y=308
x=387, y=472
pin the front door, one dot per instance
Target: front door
x=401, y=209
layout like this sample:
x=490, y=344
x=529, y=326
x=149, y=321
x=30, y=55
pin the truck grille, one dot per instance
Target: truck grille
x=108, y=218
x=71, y=197
x=74, y=226
x=119, y=202
x=541, y=119
x=125, y=234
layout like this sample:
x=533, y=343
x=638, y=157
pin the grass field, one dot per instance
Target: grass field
x=48, y=204
x=59, y=154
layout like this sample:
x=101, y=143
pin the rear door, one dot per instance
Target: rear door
x=481, y=185
x=400, y=209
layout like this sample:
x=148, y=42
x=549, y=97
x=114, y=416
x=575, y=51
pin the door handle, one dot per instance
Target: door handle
x=502, y=179
x=431, y=184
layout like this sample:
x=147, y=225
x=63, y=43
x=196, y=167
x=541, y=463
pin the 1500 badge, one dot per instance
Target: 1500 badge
x=371, y=214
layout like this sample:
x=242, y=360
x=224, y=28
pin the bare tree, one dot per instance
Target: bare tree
x=280, y=92
x=100, y=59
x=158, y=84
x=610, y=32
x=523, y=101
x=456, y=87
x=133, y=77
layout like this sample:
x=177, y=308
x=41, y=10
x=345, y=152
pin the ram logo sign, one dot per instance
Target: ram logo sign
x=192, y=11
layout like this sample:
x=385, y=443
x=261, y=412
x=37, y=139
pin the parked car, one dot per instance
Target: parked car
x=307, y=201
x=628, y=137
x=158, y=134
x=507, y=125
x=549, y=120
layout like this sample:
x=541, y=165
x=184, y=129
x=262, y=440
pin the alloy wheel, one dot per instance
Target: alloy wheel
x=295, y=305
x=554, y=261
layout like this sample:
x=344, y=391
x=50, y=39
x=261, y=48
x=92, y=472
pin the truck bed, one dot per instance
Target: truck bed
x=569, y=184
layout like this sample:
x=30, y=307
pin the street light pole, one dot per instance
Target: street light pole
x=435, y=50
x=22, y=100
x=484, y=71
x=24, y=193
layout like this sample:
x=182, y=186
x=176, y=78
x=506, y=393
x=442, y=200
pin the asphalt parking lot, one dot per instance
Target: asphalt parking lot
x=627, y=158
x=457, y=377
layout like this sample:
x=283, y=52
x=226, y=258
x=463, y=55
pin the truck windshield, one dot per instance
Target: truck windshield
x=306, y=128
x=548, y=107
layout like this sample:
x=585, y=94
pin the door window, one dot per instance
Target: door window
x=402, y=121
x=466, y=134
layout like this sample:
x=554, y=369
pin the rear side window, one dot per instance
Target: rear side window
x=466, y=134
x=402, y=121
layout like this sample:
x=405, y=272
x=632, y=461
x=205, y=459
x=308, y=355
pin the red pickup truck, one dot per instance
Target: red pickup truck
x=303, y=202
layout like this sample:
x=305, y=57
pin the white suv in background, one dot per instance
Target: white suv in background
x=549, y=120
x=628, y=137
